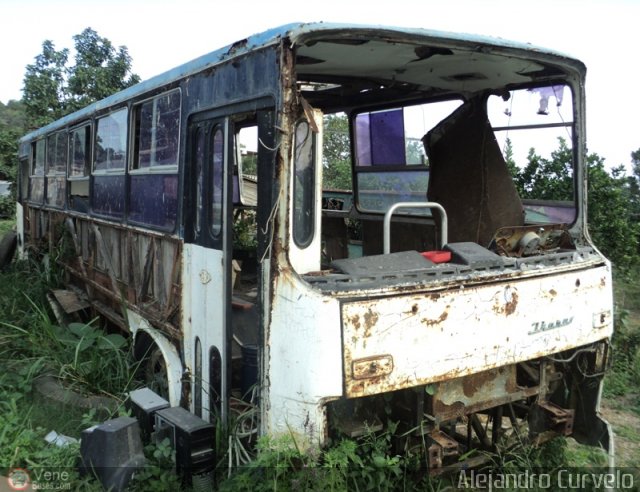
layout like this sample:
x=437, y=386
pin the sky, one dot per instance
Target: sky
x=162, y=34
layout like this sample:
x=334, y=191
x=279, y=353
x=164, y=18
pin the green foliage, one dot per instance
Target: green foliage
x=159, y=473
x=523, y=456
x=611, y=221
x=245, y=230
x=336, y=153
x=624, y=374
x=12, y=114
x=31, y=344
x=99, y=360
x=100, y=70
x=53, y=89
x=6, y=225
x=81, y=355
x=7, y=207
x=23, y=281
x=44, y=90
x=366, y=464
x=612, y=218
x=547, y=179
x=12, y=121
x=21, y=443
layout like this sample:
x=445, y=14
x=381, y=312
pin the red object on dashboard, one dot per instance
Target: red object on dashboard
x=437, y=256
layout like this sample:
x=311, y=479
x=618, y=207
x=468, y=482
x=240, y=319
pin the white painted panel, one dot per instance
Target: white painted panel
x=307, y=259
x=20, y=231
x=434, y=336
x=203, y=309
x=304, y=358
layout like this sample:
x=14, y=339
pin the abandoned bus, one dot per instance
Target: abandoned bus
x=428, y=289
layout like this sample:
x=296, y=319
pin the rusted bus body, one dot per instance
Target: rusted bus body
x=332, y=320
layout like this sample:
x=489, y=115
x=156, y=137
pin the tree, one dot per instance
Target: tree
x=612, y=224
x=44, y=86
x=53, y=89
x=635, y=163
x=547, y=179
x=12, y=115
x=99, y=71
x=634, y=185
x=610, y=215
x=336, y=155
x=12, y=124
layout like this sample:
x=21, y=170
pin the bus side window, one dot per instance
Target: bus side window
x=245, y=184
x=304, y=185
x=23, y=180
x=79, y=165
x=153, y=191
x=110, y=150
x=56, y=164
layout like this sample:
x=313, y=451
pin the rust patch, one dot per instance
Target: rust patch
x=455, y=410
x=471, y=384
x=437, y=321
x=370, y=320
x=357, y=389
x=355, y=321
x=553, y=293
x=510, y=307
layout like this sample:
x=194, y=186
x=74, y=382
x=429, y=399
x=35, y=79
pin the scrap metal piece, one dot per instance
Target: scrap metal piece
x=549, y=416
x=561, y=418
x=441, y=446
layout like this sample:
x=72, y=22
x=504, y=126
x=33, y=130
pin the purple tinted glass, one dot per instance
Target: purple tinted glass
x=380, y=138
x=108, y=195
x=154, y=200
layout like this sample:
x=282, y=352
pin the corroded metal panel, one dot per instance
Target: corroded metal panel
x=303, y=356
x=416, y=339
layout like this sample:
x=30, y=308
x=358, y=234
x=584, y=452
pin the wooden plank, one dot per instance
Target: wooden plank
x=148, y=266
x=159, y=269
x=135, y=265
x=106, y=256
x=69, y=301
x=175, y=272
x=78, y=249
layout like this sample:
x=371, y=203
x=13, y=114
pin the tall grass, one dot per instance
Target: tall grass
x=623, y=377
x=81, y=354
x=5, y=226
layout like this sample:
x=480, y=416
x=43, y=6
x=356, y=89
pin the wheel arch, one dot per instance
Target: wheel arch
x=143, y=335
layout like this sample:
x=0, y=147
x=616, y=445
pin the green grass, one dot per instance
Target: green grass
x=628, y=433
x=31, y=342
x=6, y=225
x=581, y=456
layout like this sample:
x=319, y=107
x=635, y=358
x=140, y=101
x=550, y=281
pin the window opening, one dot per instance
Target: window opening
x=304, y=185
x=157, y=132
x=111, y=142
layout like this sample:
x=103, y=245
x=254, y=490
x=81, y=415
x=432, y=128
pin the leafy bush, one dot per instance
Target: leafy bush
x=624, y=374
x=366, y=464
x=158, y=475
x=7, y=207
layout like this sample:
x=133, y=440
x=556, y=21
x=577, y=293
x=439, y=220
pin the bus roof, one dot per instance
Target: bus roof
x=297, y=33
